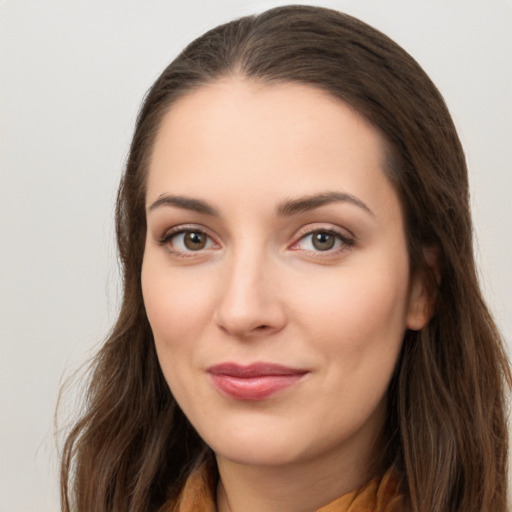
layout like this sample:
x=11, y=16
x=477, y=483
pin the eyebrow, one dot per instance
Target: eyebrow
x=186, y=203
x=286, y=208
x=306, y=203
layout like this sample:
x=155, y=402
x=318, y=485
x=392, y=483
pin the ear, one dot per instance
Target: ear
x=424, y=284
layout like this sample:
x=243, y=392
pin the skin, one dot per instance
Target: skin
x=260, y=290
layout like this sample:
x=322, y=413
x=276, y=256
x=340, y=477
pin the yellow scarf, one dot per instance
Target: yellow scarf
x=378, y=495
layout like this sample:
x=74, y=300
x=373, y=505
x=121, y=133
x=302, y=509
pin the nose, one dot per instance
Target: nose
x=250, y=303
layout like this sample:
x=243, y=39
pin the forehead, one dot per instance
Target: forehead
x=243, y=136
x=235, y=103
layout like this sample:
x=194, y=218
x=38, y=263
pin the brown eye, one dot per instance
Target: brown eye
x=323, y=241
x=187, y=240
x=194, y=240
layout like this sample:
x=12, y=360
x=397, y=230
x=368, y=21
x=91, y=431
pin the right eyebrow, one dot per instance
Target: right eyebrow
x=186, y=203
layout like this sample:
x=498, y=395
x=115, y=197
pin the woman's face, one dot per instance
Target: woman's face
x=275, y=275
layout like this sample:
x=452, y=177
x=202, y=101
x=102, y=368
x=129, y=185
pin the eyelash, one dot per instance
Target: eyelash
x=345, y=241
x=173, y=233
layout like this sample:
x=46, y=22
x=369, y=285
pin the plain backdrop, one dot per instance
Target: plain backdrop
x=72, y=74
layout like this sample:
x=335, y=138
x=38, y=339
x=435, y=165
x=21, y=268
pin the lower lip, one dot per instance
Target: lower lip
x=253, y=388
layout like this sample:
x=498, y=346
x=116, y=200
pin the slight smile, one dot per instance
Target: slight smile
x=253, y=382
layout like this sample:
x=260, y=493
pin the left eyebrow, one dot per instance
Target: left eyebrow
x=306, y=203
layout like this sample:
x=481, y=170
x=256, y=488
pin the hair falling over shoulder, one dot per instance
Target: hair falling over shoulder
x=447, y=429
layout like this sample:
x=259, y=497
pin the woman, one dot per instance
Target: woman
x=301, y=327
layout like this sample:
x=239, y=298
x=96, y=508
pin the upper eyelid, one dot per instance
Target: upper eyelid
x=182, y=228
x=327, y=227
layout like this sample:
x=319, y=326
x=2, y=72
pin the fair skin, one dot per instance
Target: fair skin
x=291, y=252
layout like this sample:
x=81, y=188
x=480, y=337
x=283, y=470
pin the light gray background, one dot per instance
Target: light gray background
x=72, y=77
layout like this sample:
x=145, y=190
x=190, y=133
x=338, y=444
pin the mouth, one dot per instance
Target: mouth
x=253, y=382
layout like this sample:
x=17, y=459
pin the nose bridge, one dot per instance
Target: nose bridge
x=249, y=301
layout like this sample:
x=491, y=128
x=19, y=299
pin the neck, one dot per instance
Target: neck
x=298, y=487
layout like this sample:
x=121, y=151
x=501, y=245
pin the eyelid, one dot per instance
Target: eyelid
x=183, y=228
x=347, y=238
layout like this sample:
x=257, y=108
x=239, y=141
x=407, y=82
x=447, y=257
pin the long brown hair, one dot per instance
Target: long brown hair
x=446, y=430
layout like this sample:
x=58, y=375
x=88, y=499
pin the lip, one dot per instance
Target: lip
x=253, y=382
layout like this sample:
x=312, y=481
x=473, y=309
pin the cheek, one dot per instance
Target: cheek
x=177, y=309
x=176, y=302
x=360, y=300
x=358, y=328
x=365, y=310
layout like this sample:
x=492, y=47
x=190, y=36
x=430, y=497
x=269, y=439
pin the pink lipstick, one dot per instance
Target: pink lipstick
x=256, y=381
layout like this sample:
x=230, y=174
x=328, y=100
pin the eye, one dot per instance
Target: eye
x=322, y=241
x=187, y=240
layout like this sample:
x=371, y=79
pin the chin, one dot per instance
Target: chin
x=254, y=446
x=258, y=455
x=266, y=448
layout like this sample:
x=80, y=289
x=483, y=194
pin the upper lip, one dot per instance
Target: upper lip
x=253, y=370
